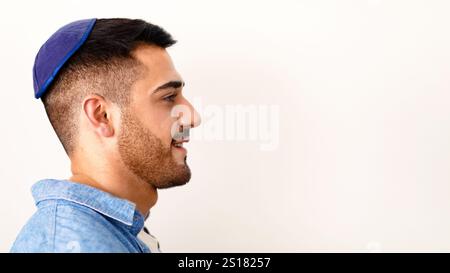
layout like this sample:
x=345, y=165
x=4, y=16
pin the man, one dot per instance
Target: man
x=114, y=99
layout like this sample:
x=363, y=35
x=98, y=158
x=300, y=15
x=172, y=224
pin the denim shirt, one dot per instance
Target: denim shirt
x=73, y=217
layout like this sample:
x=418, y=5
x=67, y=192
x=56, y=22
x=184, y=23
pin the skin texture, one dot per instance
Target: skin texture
x=128, y=152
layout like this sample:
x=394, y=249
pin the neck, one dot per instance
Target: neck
x=117, y=181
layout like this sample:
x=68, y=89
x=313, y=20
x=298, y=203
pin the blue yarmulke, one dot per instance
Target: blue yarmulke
x=56, y=51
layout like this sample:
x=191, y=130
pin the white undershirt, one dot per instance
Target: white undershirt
x=150, y=241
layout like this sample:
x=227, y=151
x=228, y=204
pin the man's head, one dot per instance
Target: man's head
x=120, y=95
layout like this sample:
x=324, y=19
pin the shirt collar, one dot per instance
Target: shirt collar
x=113, y=207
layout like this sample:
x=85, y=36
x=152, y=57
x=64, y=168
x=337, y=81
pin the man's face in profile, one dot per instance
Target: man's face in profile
x=146, y=136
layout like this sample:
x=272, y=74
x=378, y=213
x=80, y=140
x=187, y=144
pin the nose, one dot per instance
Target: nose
x=196, y=118
x=189, y=117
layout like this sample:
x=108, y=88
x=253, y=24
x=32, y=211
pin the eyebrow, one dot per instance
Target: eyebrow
x=171, y=84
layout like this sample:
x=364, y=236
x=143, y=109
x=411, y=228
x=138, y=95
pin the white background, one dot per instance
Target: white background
x=363, y=89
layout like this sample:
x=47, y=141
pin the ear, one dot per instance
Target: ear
x=96, y=110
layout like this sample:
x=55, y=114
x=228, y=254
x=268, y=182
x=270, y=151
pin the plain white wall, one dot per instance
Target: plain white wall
x=362, y=162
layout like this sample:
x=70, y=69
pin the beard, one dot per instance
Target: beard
x=145, y=155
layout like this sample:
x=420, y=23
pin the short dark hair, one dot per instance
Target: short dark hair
x=103, y=65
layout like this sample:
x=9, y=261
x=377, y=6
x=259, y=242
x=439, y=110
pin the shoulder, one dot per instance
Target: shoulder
x=64, y=226
x=36, y=235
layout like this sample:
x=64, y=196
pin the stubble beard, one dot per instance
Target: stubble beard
x=145, y=155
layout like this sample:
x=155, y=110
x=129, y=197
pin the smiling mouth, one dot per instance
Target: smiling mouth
x=179, y=143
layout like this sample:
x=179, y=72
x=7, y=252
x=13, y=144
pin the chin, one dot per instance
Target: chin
x=179, y=175
x=172, y=184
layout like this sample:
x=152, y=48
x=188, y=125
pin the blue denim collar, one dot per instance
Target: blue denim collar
x=110, y=206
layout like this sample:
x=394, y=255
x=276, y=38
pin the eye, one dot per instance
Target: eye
x=170, y=98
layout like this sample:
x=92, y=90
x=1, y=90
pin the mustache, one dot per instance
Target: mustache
x=180, y=133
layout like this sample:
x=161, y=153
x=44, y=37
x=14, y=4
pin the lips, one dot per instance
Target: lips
x=179, y=143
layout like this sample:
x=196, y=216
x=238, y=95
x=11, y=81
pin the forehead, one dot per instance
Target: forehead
x=160, y=68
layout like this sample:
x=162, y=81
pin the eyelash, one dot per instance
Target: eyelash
x=170, y=98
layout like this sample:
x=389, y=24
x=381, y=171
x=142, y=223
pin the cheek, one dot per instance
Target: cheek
x=164, y=128
x=159, y=121
x=165, y=131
